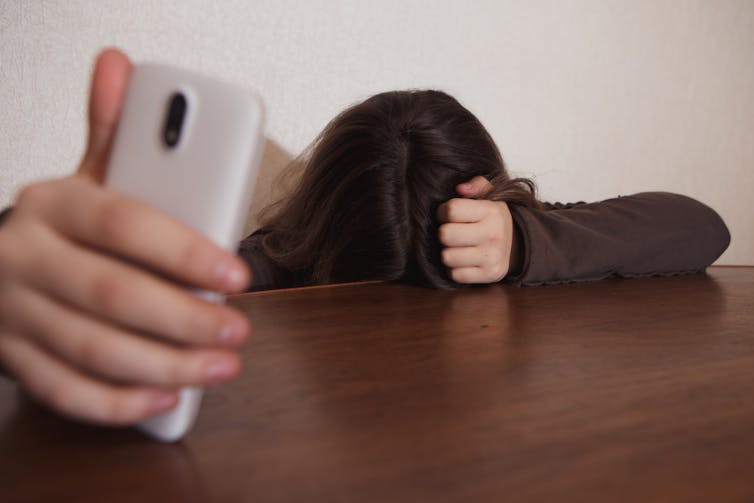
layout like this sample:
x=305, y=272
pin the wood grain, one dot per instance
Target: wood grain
x=634, y=390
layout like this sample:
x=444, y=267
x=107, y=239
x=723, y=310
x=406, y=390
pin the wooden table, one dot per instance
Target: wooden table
x=634, y=390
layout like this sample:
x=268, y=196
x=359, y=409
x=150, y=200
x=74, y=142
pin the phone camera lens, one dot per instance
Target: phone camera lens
x=171, y=133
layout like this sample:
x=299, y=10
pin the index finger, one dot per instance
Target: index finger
x=460, y=210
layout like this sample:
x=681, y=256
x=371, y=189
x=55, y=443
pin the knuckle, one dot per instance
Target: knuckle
x=444, y=233
x=117, y=408
x=15, y=262
x=457, y=207
x=452, y=209
x=458, y=276
x=202, y=322
x=446, y=255
x=502, y=208
x=494, y=236
x=497, y=271
x=54, y=393
x=33, y=196
x=114, y=220
x=108, y=293
x=475, y=203
x=484, y=275
x=483, y=258
x=22, y=243
x=489, y=207
x=180, y=367
x=175, y=369
x=494, y=257
x=175, y=372
x=93, y=354
x=190, y=254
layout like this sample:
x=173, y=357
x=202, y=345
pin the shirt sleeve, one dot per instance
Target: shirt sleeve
x=652, y=233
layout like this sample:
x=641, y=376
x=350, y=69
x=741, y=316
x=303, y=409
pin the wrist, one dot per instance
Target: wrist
x=515, y=263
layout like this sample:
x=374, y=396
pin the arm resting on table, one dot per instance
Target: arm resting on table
x=652, y=233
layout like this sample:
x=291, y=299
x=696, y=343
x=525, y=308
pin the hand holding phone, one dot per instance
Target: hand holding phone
x=93, y=322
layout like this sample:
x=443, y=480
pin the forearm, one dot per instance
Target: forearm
x=640, y=235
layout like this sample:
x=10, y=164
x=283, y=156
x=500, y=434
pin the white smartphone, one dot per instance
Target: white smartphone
x=190, y=146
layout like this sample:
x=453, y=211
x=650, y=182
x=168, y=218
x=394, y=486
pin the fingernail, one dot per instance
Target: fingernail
x=163, y=401
x=232, y=333
x=230, y=275
x=219, y=370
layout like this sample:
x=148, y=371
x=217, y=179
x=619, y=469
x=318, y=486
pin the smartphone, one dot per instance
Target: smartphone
x=190, y=146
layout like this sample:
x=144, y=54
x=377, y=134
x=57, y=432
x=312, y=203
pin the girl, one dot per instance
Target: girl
x=382, y=197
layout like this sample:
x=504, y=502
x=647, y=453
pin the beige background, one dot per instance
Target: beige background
x=591, y=98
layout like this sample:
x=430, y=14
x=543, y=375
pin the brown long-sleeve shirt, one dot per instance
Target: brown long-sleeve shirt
x=652, y=233
x=647, y=234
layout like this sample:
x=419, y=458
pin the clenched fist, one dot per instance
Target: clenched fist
x=478, y=235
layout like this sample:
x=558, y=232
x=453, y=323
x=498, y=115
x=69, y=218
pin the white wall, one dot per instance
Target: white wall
x=591, y=98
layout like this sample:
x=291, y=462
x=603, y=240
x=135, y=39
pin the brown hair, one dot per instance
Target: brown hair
x=365, y=205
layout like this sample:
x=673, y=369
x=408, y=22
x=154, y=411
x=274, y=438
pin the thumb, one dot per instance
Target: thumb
x=476, y=187
x=110, y=75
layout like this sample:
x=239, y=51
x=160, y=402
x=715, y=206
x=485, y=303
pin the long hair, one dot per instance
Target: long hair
x=365, y=205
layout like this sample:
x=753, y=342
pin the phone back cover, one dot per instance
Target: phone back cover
x=206, y=181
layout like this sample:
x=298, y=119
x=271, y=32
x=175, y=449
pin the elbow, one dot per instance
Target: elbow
x=719, y=236
x=714, y=234
x=699, y=234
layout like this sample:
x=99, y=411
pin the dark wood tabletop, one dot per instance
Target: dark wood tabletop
x=619, y=390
